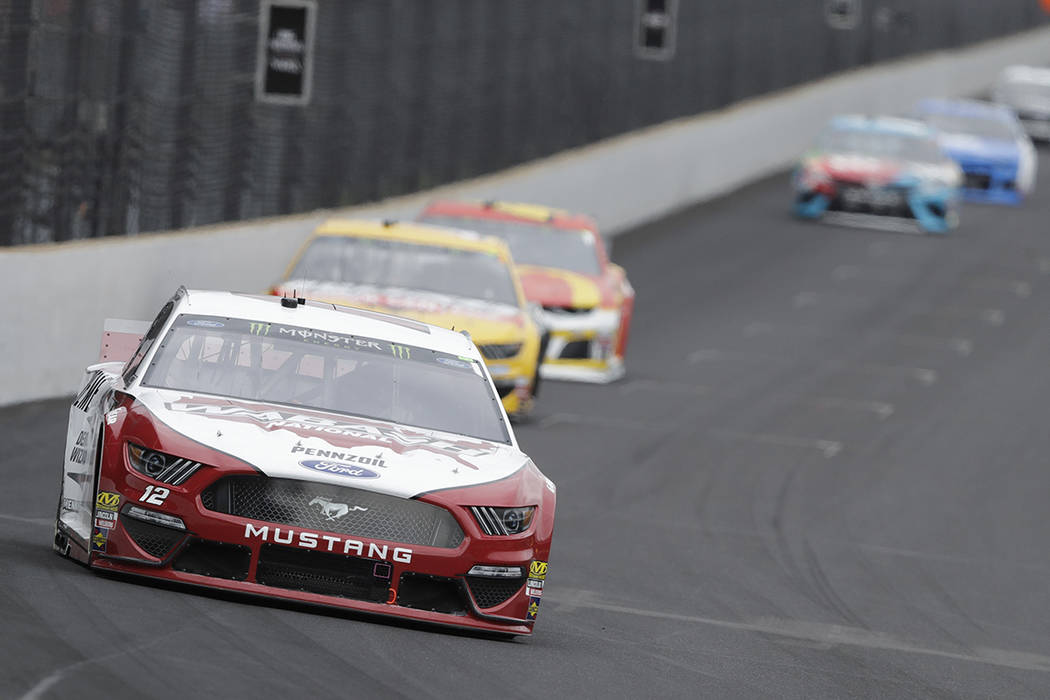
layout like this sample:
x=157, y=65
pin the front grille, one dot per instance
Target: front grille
x=500, y=352
x=977, y=181
x=328, y=508
x=576, y=350
x=153, y=539
x=216, y=559
x=490, y=592
x=568, y=309
x=434, y=593
x=323, y=573
x=855, y=198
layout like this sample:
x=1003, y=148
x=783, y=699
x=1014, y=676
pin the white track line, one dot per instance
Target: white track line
x=960, y=346
x=595, y=421
x=829, y=448
x=33, y=521
x=637, y=385
x=923, y=375
x=993, y=317
x=823, y=633
x=1019, y=288
x=882, y=409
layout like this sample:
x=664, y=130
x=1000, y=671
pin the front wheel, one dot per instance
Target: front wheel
x=545, y=340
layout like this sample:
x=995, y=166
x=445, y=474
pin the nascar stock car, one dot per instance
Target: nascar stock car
x=586, y=300
x=996, y=156
x=1026, y=91
x=439, y=275
x=301, y=451
x=878, y=171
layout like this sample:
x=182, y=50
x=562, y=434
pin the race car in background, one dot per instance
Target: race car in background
x=300, y=451
x=1026, y=91
x=586, y=300
x=986, y=140
x=878, y=171
x=451, y=278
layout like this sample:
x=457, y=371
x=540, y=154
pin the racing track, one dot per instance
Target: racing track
x=825, y=476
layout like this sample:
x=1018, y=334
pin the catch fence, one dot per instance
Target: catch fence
x=124, y=116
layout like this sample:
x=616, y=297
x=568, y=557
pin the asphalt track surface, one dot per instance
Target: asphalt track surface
x=826, y=476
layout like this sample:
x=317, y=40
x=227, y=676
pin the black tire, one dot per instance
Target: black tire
x=545, y=340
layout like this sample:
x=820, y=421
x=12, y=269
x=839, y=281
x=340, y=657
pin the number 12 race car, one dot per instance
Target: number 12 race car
x=309, y=452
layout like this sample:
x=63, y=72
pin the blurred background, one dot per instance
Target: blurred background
x=126, y=116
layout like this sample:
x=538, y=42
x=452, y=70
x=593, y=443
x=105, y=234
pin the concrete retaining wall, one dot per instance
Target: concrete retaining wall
x=60, y=294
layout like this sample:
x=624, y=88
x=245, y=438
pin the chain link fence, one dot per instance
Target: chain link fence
x=121, y=116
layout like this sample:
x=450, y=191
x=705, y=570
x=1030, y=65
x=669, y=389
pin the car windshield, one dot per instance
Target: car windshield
x=985, y=128
x=536, y=244
x=383, y=263
x=880, y=144
x=353, y=375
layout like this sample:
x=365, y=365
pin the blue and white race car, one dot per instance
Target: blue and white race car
x=989, y=144
x=878, y=172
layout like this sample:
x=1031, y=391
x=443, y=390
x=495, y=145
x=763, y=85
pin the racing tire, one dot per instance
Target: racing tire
x=545, y=340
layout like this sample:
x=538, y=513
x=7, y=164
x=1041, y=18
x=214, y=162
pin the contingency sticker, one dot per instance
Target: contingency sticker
x=105, y=519
x=534, y=587
x=99, y=537
x=534, y=608
x=107, y=501
x=538, y=570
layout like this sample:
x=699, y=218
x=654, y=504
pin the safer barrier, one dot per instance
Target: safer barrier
x=59, y=294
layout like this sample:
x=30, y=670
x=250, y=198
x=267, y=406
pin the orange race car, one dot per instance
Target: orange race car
x=564, y=267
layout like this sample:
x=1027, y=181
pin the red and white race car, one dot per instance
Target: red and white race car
x=587, y=301
x=309, y=452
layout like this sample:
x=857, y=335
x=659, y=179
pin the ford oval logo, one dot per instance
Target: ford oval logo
x=338, y=468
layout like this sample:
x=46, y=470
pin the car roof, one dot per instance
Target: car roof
x=512, y=211
x=415, y=232
x=878, y=124
x=974, y=109
x=1027, y=74
x=332, y=318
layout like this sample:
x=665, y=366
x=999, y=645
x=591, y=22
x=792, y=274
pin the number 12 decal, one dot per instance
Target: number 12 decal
x=154, y=495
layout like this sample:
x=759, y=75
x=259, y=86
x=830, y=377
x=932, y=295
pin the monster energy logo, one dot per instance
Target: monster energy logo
x=256, y=328
x=401, y=352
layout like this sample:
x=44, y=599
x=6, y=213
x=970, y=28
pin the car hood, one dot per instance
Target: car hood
x=853, y=167
x=549, y=286
x=967, y=147
x=299, y=443
x=485, y=321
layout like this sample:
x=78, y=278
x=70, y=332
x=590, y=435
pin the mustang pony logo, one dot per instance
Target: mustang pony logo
x=334, y=511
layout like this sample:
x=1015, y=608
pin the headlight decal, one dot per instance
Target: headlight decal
x=163, y=467
x=502, y=522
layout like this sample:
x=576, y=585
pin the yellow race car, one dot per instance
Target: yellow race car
x=439, y=275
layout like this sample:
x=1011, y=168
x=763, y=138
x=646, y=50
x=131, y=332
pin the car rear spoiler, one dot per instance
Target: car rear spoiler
x=120, y=339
